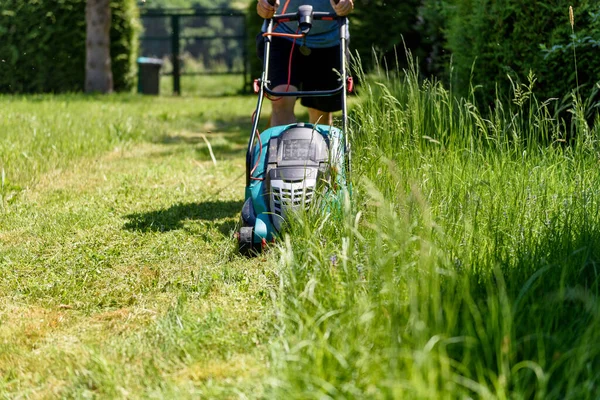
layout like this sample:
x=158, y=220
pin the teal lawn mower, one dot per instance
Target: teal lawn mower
x=297, y=166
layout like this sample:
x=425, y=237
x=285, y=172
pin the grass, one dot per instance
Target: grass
x=118, y=274
x=204, y=85
x=463, y=266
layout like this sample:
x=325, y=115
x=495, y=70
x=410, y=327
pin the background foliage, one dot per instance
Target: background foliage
x=380, y=29
x=489, y=40
x=43, y=45
x=124, y=43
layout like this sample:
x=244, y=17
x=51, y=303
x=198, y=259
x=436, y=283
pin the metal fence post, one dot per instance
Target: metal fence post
x=245, y=55
x=175, y=39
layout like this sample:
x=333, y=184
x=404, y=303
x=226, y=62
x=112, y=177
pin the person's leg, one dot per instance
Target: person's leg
x=283, y=107
x=322, y=117
x=281, y=79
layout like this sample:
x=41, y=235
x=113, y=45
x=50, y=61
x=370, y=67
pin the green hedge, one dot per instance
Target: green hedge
x=43, y=45
x=490, y=40
x=124, y=32
x=380, y=30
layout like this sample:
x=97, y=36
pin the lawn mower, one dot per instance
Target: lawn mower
x=297, y=166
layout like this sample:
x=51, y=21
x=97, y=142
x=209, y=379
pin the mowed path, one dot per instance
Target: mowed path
x=119, y=277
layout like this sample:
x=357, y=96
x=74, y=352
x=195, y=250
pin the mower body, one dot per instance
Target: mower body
x=293, y=166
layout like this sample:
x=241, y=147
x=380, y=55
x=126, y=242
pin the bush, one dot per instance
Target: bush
x=124, y=43
x=380, y=29
x=431, y=25
x=43, y=45
x=490, y=40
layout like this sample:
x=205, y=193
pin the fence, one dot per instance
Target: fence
x=196, y=42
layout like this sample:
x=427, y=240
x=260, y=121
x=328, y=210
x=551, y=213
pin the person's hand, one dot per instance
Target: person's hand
x=342, y=7
x=266, y=10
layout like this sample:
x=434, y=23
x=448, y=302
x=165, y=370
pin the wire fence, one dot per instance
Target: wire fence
x=196, y=42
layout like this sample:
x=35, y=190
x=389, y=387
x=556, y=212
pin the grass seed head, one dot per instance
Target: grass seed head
x=571, y=17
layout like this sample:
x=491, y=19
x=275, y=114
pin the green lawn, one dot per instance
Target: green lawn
x=464, y=265
x=118, y=274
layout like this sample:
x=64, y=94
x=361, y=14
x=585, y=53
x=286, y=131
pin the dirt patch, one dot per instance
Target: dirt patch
x=28, y=325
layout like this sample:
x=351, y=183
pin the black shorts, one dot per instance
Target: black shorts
x=317, y=71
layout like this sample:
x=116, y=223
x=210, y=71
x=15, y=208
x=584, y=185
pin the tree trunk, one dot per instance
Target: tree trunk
x=98, y=72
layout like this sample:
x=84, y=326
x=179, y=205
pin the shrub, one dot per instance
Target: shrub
x=124, y=43
x=380, y=29
x=43, y=45
x=490, y=40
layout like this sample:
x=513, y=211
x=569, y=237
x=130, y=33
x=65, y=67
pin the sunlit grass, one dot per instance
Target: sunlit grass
x=119, y=277
x=205, y=85
x=465, y=265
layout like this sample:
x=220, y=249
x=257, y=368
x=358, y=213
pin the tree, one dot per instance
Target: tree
x=98, y=71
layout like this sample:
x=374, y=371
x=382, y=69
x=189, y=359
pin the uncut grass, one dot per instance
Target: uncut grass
x=465, y=265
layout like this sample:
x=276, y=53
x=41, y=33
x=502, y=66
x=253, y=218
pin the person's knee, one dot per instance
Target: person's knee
x=283, y=107
x=284, y=104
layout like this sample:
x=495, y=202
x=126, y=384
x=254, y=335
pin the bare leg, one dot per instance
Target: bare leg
x=283, y=108
x=322, y=117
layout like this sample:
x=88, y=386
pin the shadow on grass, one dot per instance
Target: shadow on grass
x=173, y=218
x=550, y=288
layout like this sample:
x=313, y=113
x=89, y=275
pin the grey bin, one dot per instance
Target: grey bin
x=149, y=75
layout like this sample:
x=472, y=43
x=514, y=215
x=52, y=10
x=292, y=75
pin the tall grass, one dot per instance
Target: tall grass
x=466, y=265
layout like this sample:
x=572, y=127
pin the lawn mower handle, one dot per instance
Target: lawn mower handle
x=272, y=2
x=263, y=88
x=318, y=15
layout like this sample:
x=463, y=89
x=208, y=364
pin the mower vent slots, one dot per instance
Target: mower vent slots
x=291, y=197
x=286, y=196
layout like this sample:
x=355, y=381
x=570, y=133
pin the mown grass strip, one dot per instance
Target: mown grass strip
x=118, y=274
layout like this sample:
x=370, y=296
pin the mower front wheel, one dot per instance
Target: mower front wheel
x=245, y=240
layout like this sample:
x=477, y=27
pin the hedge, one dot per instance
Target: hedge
x=381, y=29
x=491, y=40
x=43, y=45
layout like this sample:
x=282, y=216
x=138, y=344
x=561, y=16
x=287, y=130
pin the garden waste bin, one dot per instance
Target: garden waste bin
x=149, y=75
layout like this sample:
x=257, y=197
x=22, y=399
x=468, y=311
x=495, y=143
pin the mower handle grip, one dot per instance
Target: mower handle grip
x=316, y=16
x=272, y=2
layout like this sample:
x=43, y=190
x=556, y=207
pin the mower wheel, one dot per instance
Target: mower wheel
x=245, y=240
